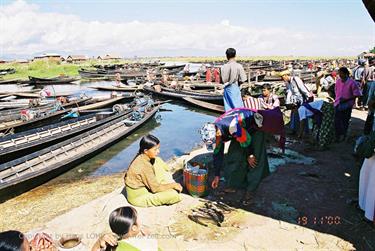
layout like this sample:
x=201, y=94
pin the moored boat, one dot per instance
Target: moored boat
x=205, y=105
x=31, y=170
x=179, y=94
x=19, y=144
x=52, y=81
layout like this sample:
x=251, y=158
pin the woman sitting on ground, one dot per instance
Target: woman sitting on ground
x=127, y=233
x=147, y=180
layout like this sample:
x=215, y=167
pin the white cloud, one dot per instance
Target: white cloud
x=25, y=30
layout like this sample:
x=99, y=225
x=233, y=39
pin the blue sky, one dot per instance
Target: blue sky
x=344, y=23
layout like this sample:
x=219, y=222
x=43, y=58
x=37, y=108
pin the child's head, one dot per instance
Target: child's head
x=13, y=241
x=124, y=222
x=266, y=90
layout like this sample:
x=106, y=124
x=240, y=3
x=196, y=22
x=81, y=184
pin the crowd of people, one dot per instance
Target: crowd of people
x=245, y=124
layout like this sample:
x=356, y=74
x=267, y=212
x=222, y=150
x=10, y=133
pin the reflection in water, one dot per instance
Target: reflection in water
x=177, y=131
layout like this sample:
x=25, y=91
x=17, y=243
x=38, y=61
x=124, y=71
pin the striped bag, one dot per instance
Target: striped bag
x=253, y=103
x=196, y=183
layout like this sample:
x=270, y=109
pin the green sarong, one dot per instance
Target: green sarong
x=237, y=172
x=124, y=246
x=324, y=135
x=142, y=197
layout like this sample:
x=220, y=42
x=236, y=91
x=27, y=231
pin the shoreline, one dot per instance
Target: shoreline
x=269, y=223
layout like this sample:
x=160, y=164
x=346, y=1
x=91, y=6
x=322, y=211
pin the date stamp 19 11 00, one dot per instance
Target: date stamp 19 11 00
x=319, y=220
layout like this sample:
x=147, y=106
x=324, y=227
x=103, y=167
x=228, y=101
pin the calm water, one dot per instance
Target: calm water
x=176, y=125
x=177, y=130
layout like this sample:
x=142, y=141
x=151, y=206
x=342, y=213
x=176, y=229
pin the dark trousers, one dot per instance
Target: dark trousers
x=370, y=92
x=362, y=100
x=342, y=119
x=369, y=123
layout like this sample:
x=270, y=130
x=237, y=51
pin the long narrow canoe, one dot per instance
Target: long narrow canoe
x=37, y=95
x=16, y=145
x=19, y=125
x=21, y=91
x=15, y=114
x=197, y=93
x=169, y=93
x=170, y=67
x=205, y=105
x=9, y=81
x=17, y=104
x=116, y=88
x=104, y=103
x=52, y=81
x=36, y=168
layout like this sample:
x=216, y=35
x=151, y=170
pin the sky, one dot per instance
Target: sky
x=185, y=28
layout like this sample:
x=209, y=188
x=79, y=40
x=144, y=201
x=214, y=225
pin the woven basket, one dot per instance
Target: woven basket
x=196, y=184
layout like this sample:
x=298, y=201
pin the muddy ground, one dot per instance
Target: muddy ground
x=322, y=196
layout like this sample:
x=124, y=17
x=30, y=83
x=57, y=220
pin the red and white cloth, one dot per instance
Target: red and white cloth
x=254, y=103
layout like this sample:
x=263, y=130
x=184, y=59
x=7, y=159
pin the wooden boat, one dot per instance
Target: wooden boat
x=199, y=85
x=172, y=67
x=204, y=93
x=20, y=125
x=20, y=104
x=271, y=78
x=4, y=96
x=23, y=91
x=31, y=170
x=205, y=105
x=104, y=103
x=206, y=86
x=7, y=71
x=52, y=81
x=19, y=144
x=171, y=93
x=37, y=95
x=124, y=75
x=9, y=81
x=118, y=88
x=15, y=114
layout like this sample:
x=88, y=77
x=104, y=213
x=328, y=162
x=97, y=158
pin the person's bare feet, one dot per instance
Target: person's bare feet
x=229, y=190
x=247, y=198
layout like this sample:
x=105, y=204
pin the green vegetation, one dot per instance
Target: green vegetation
x=255, y=58
x=49, y=68
x=373, y=50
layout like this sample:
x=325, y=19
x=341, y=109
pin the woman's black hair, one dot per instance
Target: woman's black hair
x=122, y=219
x=148, y=142
x=11, y=240
x=230, y=53
x=244, y=92
x=345, y=71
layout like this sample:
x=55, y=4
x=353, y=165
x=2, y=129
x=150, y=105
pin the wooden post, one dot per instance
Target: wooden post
x=248, y=74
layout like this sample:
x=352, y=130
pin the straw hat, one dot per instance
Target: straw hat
x=283, y=73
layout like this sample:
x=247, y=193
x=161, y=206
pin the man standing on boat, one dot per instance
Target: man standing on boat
x=232, y=75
